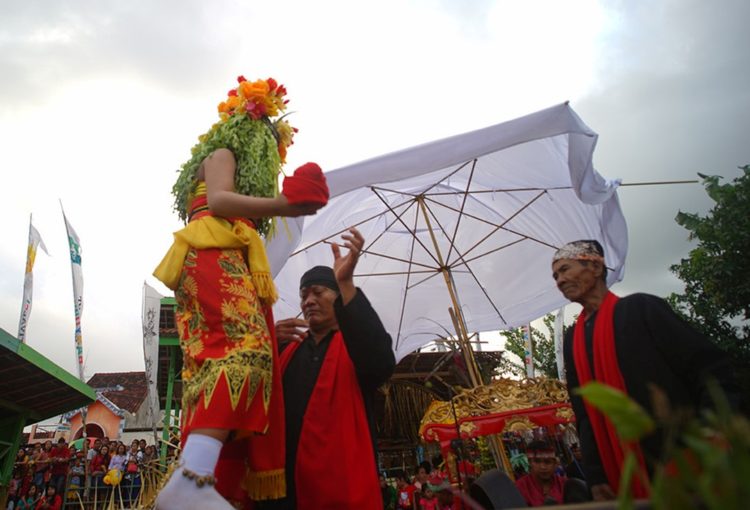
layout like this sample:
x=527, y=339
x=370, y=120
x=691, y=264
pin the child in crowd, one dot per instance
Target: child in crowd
x=429, y=500
x=405, y=495
x=77, y=472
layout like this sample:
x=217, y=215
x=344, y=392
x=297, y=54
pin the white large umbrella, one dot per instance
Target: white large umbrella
x=467, y=223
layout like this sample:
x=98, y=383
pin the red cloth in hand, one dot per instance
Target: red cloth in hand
x=306, y=186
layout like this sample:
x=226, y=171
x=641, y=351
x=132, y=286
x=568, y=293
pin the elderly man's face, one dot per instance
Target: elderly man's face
x=316, y=302
x=574, y=278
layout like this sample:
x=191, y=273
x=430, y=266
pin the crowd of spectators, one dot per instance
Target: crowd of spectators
x=46, y=475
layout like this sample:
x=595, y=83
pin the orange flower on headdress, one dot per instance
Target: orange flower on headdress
x=258, y=100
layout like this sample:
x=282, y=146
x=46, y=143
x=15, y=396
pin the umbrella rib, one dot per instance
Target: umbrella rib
x=365, y=220
x=397, y=259
x=461, y=256
x=458, y=222
x=500, y=226
x=458, y=169
x=413, y=233
x=502, y=190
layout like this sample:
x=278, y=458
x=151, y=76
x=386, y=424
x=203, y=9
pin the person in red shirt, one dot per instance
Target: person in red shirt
x=542, y=486
x=405, y=492
x=50, y=501
x=60, y=459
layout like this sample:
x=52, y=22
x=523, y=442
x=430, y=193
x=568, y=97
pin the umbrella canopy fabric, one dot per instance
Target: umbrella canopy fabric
x=483, y=211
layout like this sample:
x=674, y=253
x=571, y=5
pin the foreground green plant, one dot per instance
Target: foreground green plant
x=707, y=463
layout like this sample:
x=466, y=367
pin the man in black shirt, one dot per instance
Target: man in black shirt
x=333, y=361
x=636, y=344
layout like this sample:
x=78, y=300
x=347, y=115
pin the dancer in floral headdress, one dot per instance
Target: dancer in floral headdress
x=232, y=406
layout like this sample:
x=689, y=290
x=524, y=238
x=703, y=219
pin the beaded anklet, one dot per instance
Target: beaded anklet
x=200, y=481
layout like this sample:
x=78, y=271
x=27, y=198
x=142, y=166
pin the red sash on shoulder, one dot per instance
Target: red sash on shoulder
x=335, y=468
x=607, y=371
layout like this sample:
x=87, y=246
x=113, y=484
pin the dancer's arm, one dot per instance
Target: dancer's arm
x=224, y=201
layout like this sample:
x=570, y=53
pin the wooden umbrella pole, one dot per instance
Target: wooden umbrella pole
x=459, y=323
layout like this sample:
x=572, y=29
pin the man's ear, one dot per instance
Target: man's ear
x=598, y=268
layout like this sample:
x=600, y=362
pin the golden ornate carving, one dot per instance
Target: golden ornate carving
x=565, y=413
x=499, y=396
x=467, y=428
x=518, y=424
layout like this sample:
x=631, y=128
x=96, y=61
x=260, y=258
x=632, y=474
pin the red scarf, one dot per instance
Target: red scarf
x=606, y=370
x=335, y=467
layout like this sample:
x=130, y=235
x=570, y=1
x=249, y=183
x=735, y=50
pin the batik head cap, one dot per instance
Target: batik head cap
x=585, y=249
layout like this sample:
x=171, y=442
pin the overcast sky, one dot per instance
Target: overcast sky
x=101, y=100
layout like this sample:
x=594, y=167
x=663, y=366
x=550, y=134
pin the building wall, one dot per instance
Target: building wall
x=100, y=415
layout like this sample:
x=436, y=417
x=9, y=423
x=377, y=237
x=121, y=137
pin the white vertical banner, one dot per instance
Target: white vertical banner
x=75, y=266
x=35, y=241
x=150, y=320
x=528, y=351
x=559, y=343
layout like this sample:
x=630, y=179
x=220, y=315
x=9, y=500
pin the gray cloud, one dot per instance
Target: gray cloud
x=673, y=99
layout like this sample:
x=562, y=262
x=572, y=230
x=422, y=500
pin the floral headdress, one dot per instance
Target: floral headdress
x=260, y=100
x=259, y=142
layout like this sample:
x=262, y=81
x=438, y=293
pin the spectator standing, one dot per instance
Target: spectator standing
x=429, y=500
x=42, y=466
x=388, y=493
x=77, y=477
x=633, y=344
x=60, y=463
x=118, y=459
x=132, y=477
x=405, y=495
x=98, y=468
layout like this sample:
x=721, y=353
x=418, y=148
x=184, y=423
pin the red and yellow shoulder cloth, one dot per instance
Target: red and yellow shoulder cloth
x=335, y=467
x=607, y=371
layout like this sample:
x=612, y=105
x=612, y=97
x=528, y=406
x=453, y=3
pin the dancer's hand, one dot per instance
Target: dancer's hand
x=294, y=210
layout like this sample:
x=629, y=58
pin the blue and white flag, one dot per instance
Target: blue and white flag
x=35, y=241
x=75, y=266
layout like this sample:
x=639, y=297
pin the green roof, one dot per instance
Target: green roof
x=32, y=385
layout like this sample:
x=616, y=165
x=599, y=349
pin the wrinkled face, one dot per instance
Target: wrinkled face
x=316, y=302
x=543, y=468
x=575, y=279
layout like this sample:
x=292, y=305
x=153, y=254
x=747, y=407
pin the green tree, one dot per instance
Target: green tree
x=716, y=272
x=543, y=346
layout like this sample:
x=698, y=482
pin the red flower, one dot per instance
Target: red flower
x=232, y=93
x=240, y=79
x=272, y=83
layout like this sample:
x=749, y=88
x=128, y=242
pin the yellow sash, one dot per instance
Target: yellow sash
x=212, y=232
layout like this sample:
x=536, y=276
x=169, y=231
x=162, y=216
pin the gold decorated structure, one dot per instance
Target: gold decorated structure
x=504, y=405
x=500, y=396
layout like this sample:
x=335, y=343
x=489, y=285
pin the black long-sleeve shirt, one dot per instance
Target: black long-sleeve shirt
x=369, y=347
x=654, y=346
